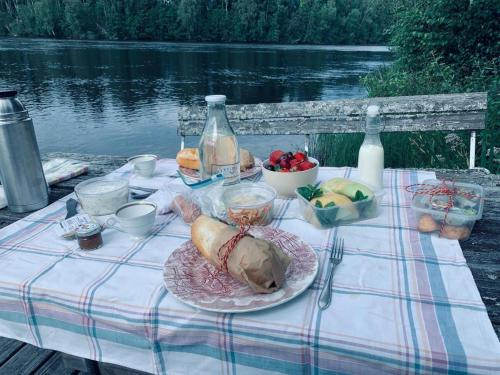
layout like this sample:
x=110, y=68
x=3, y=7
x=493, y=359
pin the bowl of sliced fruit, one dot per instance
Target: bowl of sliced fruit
x=286, y=171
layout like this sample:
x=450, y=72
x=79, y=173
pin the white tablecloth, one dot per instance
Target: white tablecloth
x=402, y=301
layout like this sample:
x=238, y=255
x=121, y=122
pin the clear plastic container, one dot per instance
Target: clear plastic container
x=329, y=217
x=457, y=224
x=101, y=195
x=249, y=204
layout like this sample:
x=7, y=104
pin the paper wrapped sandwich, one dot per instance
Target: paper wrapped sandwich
x=258, y=263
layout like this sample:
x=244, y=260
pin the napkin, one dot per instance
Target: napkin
x=55, y=170
x=163, y=200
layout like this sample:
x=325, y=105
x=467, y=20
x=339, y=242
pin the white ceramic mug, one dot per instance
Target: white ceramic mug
x=135, y=218
x=144, y=165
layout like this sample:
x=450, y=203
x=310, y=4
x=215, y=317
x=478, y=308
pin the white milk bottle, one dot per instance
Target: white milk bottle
x=371, y=153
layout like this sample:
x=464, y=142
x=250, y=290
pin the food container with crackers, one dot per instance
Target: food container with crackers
x=447, y=208
x=249, y=204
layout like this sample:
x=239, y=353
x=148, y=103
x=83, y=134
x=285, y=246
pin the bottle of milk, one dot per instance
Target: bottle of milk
x=371, y=153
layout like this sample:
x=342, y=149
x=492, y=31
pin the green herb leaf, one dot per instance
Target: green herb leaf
x=310, y=192
x=359, y=196
x=330, y=204
x=318, y=204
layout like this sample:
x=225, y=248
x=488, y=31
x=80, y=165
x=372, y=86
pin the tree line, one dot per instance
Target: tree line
x=268, y=21
x=440, y=47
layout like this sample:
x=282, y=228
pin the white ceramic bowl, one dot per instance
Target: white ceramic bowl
x=285, y=183
x=102, y=195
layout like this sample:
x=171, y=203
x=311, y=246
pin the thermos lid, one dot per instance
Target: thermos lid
x=11, y=108
x=8, y=93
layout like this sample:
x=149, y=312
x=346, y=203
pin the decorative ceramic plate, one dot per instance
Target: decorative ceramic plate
x=190, y=277
x=195, y=174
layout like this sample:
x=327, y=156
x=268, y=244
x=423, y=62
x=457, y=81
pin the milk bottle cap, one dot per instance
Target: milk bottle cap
x=215, y=99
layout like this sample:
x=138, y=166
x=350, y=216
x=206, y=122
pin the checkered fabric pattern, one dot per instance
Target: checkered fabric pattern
x=403, y=302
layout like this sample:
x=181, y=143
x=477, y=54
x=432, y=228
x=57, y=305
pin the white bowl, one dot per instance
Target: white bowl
x=102, y=195
x=285, y=183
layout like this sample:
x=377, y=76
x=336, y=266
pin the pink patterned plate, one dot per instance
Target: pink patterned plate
x=195, y=174
x=190, y=277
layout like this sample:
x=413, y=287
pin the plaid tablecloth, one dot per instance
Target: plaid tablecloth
x=403, y=301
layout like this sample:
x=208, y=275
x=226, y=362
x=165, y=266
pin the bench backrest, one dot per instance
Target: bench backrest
x=450, y=112
x=401, y=113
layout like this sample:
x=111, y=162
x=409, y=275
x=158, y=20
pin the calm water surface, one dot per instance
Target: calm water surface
x=122, y=98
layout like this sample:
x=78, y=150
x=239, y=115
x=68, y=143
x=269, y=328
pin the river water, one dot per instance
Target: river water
x=122, y=98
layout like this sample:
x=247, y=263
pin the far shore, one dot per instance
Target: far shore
x=150, y=43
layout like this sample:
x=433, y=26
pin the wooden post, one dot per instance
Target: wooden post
x=472, y=150
x=306, y=145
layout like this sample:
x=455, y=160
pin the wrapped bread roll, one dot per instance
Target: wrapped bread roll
x=258, y=263
x=189, y=158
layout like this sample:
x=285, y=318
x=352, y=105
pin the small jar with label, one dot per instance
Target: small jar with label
x=89, y=236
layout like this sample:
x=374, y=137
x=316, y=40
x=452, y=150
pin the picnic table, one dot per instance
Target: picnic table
x=434, y=330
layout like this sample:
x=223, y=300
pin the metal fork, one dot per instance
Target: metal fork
x=336, y=255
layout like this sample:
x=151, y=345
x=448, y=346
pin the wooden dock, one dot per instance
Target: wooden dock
x=481, y=251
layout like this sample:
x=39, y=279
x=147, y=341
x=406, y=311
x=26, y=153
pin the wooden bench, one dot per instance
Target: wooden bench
x=451, y=112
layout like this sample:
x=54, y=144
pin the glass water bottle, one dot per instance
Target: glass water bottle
x=371, y=153
x=218, y=149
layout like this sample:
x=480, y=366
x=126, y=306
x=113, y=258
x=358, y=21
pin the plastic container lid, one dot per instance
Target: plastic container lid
x=215, y=99
x=467, y=206
x=248, y=195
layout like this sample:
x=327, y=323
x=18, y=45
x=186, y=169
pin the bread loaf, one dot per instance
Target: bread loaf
x=188, y=158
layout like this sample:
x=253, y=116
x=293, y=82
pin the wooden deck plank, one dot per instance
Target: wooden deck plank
x=55, y=366
x=26, y=361
x=9, y=348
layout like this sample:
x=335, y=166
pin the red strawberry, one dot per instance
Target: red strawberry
x=305, y=165
x=300, y=156
x=275, y=156
x=294, y=163
x=284, y=163
x=284, y=170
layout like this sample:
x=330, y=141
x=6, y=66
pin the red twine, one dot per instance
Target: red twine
x=230, y=245
x=443, y=189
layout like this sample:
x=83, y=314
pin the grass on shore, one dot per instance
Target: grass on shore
x=402, y=150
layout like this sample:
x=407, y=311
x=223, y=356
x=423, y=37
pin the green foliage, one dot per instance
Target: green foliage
x=442, y=46
x=283, y=21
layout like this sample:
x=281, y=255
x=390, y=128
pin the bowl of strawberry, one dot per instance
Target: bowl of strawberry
x=286, y=171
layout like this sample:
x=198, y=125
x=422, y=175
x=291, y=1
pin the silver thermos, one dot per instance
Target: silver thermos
x=21, y=169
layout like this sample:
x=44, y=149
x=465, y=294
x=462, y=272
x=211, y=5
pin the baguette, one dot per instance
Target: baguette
x=258, y=263
x=189, y=158
x=204, y=232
